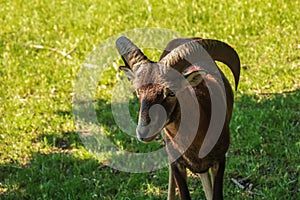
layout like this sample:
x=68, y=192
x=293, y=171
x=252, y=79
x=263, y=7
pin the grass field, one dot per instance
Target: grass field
x=43, y=45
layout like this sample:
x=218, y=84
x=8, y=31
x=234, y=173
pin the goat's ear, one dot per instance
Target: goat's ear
x=129, y=73
x=194, y=77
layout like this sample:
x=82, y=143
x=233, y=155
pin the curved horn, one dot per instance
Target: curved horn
x=224, y=53
x=183, y=55
x=218, y=50
x=130, y=53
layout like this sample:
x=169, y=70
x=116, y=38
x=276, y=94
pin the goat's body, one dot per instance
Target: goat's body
x=192, y=144
x=190, y=158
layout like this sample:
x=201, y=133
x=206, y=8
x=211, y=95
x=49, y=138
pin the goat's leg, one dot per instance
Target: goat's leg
x=207, y=185
x=180, y=176
x=212, y=181
x=171, y=186
x=218, y=176
x=213, y=171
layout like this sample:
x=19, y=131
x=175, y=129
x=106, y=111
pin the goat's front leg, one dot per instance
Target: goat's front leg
x=178, y=173
x=171, y=186
x=207, y=185
x=212, y=181
x=217, y=175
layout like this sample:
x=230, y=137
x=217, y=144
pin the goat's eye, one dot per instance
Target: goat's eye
x=171, y=94
x=168, y=93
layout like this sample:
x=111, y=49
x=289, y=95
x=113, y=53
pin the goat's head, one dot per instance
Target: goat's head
x=157, y=84
x=155, y=87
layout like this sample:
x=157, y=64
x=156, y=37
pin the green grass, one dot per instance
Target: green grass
x=41, y=155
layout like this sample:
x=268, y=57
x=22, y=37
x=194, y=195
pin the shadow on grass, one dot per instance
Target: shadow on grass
x=49, y=176
x=264, y=150
x=265, y=145
x=64, y=175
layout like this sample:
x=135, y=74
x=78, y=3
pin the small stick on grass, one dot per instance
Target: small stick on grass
x=236, y=182
x=63, y=53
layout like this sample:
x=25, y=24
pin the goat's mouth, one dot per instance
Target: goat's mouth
x=145, y=134
x=147, y=139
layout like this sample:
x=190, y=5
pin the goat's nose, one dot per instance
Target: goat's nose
x=144, y=134
x=150, y=123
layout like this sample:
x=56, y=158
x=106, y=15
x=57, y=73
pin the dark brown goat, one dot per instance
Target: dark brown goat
x=195, y=143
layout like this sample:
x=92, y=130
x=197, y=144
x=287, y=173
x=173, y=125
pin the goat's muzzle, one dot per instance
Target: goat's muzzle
x=144, y=134
x=151, y=122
